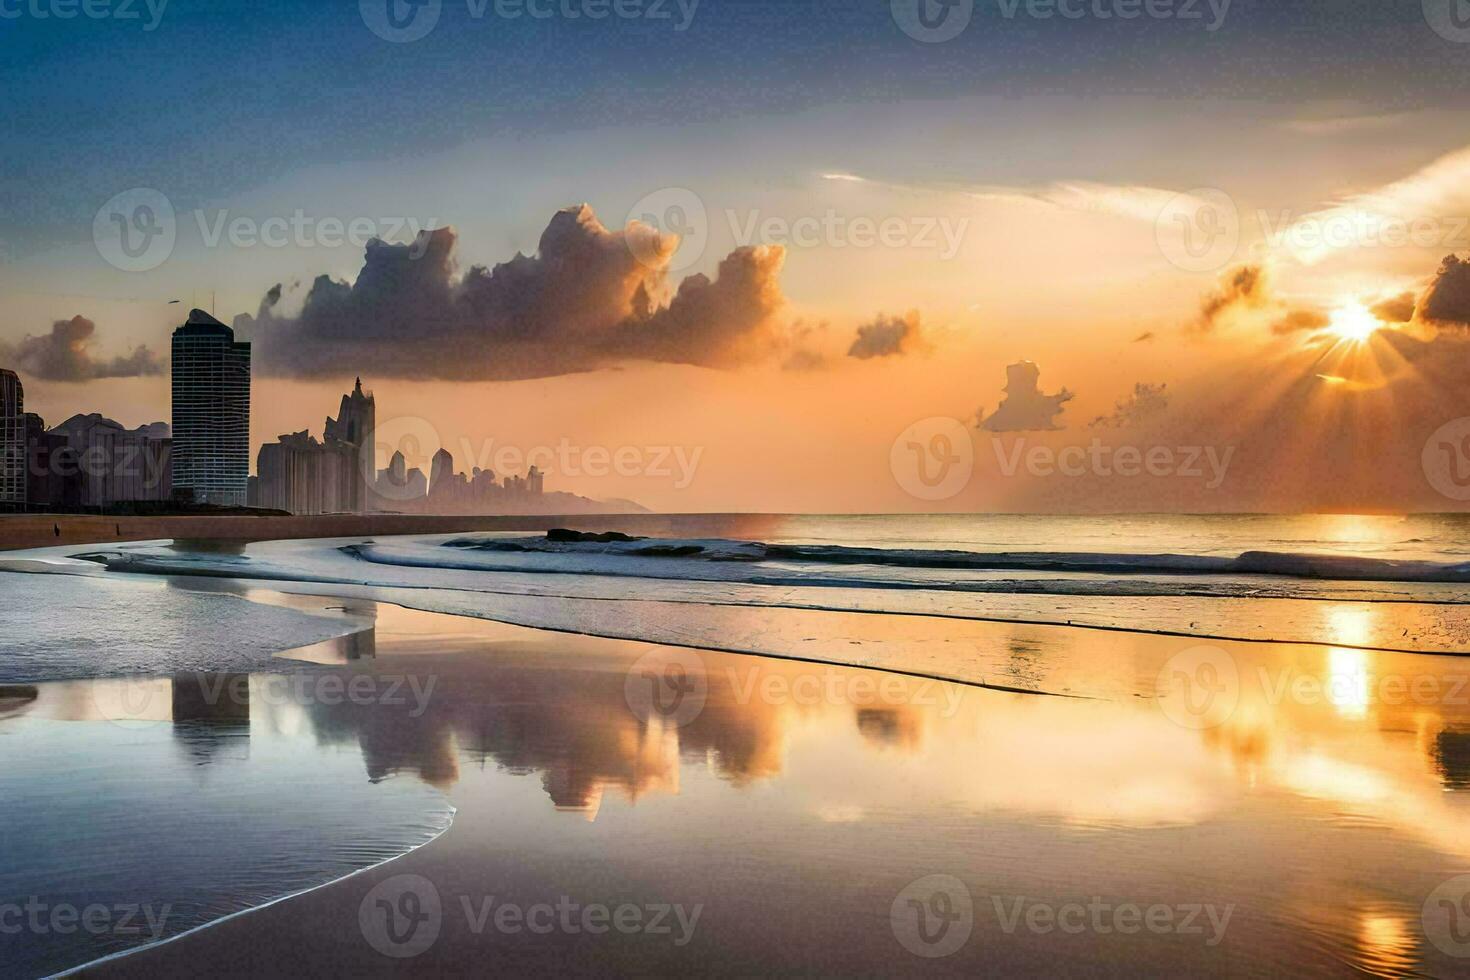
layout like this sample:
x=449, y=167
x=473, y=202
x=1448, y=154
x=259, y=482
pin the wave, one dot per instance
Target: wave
x=720, y=550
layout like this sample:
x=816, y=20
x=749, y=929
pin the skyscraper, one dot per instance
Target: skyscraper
x=353, y=430
x=211, y=412
x=12, y=442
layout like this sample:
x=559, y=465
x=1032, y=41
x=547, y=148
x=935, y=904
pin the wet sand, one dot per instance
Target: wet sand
x=798, y=804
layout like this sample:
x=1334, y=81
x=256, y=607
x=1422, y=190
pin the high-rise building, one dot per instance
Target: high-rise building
x=352, y=430
x=211, y=412
x=12, y=442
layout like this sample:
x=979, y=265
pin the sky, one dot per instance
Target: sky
x=774, y=256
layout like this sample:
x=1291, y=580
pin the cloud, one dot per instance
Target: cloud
x=1435, y=193
x=1447, y=301
x=1147, y=403
x=1396, y=309
x=1243, y=287
x=1144, y=337
x=1296, y=321
x=806, y=347
x=587, y=299
x=886, y=336
x=1132, y=201
x=1025, y=407
x=65, y=354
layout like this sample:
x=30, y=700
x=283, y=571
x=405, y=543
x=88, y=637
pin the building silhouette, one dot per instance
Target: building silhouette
x=115, y=464
x=12, y=442
x=211, y=412
x=352, y=430
x=300, y=475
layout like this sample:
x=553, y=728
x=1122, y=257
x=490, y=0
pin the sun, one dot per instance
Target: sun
x=1352, y=323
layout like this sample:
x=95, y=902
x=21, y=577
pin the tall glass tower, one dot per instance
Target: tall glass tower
x=211, y=412
x=12, y=442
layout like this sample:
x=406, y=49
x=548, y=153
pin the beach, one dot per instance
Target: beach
x=546, y=770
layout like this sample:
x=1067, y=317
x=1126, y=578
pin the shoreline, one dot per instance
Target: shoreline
x=24, y=531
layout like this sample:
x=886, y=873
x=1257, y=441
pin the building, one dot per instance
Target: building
x=211, y=412
x=116, y=464
x=302, y=476
x=53, y=477
x=352, y=430
x=12, y=442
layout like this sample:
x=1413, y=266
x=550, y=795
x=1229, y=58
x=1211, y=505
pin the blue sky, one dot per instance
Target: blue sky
x=223, y=96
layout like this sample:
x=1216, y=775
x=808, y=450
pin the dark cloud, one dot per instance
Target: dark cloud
x=1025, y=407
x=886, y=336
x=1243, y=286
x=1447, y=302
x=1296, y=321
x=1398, y=309
x=585, y=300
x=65, y=354
x=1147, y=403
